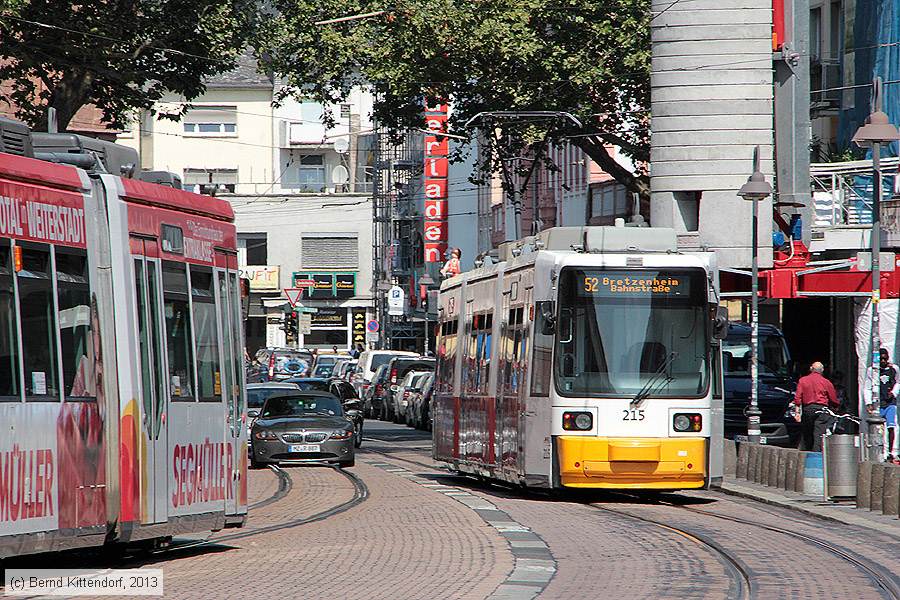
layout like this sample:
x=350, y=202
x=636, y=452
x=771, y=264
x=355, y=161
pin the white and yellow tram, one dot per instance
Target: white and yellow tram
x=587, y=358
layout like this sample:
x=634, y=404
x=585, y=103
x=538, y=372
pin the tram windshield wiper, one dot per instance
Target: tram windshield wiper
x=660, y=375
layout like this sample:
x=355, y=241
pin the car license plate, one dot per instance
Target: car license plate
x=304, y=448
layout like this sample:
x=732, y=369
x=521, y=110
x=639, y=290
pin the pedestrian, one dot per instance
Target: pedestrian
x=888, y=388
x=814, y=394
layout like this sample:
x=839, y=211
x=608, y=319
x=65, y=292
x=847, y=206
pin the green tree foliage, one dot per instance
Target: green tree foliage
x=120, y=55
x=584, y=57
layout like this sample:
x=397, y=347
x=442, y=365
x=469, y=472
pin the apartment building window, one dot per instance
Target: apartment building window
x=837, y=31
x=609, y=200
x=211, y=121
x=815, y=34
x=252, y=249
x=210, y=181
x=329, y=251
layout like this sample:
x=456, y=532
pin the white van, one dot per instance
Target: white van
x=370, y=360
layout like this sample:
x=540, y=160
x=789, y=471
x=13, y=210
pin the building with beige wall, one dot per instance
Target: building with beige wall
x=223, y=141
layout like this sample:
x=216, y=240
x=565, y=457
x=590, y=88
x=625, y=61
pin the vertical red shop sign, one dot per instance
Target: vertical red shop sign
x=437, y=148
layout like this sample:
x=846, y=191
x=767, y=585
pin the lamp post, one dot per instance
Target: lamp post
x=756, y=189
x=876, y=131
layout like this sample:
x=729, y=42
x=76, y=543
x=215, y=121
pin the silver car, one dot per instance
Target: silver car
x=302, y=427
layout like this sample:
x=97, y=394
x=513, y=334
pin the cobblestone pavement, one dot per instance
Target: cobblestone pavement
x=603, y=550
x=424, y=534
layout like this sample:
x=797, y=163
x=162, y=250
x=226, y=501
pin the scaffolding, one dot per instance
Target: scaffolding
x=396, y=236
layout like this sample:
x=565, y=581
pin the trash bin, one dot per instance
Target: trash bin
x=840, y=455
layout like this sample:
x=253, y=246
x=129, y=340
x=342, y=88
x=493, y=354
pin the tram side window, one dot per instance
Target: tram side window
x=542, y=357
x=75, y=326
x=480, y=353
x=178, y=332
x=38, y=313
x=206, y=337
x=9, y=335
x=447, y=355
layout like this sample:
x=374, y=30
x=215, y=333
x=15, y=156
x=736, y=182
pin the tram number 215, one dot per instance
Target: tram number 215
x=633, y=414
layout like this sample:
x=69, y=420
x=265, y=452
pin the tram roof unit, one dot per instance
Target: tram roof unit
x=594, y=239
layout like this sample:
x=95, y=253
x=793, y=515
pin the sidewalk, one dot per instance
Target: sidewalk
x=841, y=512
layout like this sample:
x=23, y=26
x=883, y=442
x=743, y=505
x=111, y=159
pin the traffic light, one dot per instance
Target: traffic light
x=290, y=325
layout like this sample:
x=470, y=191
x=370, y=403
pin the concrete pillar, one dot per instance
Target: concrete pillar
x=760, y=465
x=792, y=460
x=729, y=458
x=890, y=494
x=772, y=480
x=875, y=494
x=765, y=459
x=752, y=453
x=781, y=475
x=864, y=485
x=743, y=451
x=800, y=472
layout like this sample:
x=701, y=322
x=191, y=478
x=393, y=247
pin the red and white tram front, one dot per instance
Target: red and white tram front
x=632, y=374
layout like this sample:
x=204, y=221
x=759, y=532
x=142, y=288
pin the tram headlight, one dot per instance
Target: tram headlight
x=683, y=422
x=577, y=421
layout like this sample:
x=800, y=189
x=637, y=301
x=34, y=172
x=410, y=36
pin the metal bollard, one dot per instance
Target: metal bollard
x=864, y=485
x=877, y=489
x=890, y=494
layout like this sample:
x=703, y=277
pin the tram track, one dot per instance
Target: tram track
x=743, y=585
x=885, y=581
x=360, y=495
x=285, y=485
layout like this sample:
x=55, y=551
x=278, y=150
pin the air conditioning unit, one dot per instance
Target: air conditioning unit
x=15, y=138
x=161, y=178
x=116, y=159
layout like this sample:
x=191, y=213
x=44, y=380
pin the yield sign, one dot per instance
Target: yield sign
x=293, y=295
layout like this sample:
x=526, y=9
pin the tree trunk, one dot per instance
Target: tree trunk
x=70, y=94
x=639, y=184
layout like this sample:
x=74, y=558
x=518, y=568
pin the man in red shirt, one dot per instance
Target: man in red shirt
x=814, y=394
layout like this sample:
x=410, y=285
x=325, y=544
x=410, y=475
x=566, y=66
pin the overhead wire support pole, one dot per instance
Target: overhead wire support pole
x=876, y=131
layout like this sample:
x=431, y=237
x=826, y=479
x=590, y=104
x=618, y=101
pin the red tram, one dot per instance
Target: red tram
x=122, y=402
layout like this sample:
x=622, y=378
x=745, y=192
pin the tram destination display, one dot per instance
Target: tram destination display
x=633, y=284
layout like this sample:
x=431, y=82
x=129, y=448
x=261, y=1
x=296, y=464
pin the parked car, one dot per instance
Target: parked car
x=301, y=427
x=345, y=369
x=401, y=396
x=329, y=359
x=776, y=384
x=419, y=409
x=277, y=364
x=397, y=370
x=352, y=405
x=377, y=393
x=374, y=393
x=258, y=393
x=370, y=360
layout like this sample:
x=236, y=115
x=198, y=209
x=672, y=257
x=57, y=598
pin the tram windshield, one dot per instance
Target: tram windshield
x=638, y=333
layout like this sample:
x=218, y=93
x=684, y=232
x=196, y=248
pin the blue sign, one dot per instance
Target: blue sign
x=372, y=326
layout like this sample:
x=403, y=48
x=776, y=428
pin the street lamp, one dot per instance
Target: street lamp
x=756, y=189
x=877, y=130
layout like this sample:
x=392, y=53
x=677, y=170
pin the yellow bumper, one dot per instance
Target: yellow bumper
x=632, y=463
